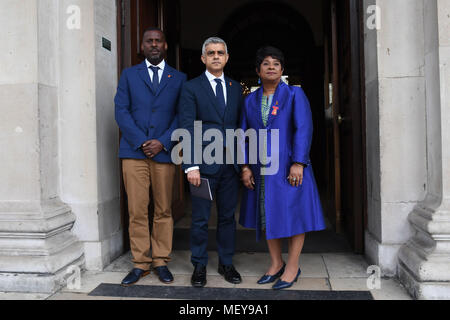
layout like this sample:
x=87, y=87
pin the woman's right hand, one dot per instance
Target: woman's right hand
x=247, y=178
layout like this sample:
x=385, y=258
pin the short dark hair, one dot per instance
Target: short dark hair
x=268, y=51
x=153, y=29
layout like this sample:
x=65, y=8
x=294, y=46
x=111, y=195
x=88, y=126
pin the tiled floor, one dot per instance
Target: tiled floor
x=327, y=271
x=320, y=271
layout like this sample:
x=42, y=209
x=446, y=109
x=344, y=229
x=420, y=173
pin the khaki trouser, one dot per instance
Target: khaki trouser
x=139, y=176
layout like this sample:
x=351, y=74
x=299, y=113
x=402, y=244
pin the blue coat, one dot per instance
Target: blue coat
x=198, y=103
x=289, y=210
x=143, y=114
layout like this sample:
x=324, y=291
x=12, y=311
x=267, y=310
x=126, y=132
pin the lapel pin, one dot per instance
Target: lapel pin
x=230, y=84
x=169, y=76
x=275, y=110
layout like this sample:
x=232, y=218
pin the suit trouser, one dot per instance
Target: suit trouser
x=225, y=184
x=139, y=175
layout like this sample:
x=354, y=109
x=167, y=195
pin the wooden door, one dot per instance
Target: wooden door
x=170, y=22
x=345, y=120
x=351, y=120
x=134, y=16
x=143, y=14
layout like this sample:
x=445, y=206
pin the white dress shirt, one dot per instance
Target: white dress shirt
x=212, y=81
x=161, y=67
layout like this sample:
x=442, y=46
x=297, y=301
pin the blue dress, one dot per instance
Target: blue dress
x=288, y=210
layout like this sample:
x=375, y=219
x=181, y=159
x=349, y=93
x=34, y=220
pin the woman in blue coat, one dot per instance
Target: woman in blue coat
x=284, y=203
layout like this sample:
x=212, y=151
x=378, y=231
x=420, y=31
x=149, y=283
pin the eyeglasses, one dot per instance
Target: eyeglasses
x=213, y=53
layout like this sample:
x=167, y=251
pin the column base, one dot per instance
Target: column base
x=423, y=290
x=424, y=260
x=37, y=282
x=382, y=255
x=37, y=247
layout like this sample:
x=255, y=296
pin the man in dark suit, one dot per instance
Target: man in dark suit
x=215, y=100
x=146, y=102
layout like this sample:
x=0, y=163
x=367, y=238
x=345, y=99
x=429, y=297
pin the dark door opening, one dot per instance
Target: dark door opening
x=321, y=42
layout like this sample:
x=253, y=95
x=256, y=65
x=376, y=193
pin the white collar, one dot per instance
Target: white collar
x=212, y=77
x=161, y=65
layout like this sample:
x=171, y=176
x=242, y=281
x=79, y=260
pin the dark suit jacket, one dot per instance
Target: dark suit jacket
x=143, y=114
x=198, y=103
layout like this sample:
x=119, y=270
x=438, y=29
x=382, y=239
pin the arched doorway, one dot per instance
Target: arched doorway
x=255, y=25
x=268, y=23
x=321, y=43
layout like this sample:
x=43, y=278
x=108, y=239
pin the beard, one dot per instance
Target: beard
x=156, y=57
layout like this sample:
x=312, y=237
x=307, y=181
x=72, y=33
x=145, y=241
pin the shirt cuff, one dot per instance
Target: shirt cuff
x=191, y=169
x=304, y=165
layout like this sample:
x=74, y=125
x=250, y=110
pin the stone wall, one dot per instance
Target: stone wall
x=59, y=196
x=408, y=158
x=424, y=261
x=89, y=135
x=396, y=127
x=36, y=244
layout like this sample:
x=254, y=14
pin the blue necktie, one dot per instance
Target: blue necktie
x=220, y=96
x=155, y=80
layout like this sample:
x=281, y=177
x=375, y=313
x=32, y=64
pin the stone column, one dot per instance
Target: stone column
x=36, y=242
x=88, y=132
x=395, y=125
x=424, y=261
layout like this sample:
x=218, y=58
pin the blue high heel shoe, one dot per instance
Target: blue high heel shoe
x=283, y=284
x=269, y=279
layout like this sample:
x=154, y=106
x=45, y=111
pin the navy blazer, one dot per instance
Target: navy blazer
x=143, y=114
x=198, y=103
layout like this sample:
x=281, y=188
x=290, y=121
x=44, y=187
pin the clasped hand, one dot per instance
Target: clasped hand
x=151, y=148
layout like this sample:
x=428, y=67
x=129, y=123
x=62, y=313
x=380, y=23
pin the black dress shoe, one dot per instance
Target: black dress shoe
x=230, y=274
x=198, y=278
x=134, y=276
x=164, y=274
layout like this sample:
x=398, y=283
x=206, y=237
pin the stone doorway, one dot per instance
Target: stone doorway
x=303, y=31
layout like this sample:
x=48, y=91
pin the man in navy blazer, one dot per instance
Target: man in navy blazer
x=146, y=112
x=215, y=100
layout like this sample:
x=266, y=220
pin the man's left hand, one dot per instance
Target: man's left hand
x=152, y=148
